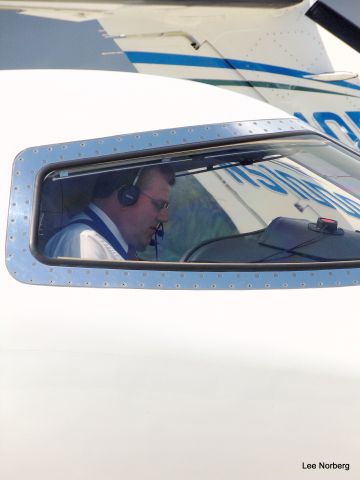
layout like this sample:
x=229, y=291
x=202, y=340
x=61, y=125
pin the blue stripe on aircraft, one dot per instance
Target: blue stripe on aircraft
x=212, y=62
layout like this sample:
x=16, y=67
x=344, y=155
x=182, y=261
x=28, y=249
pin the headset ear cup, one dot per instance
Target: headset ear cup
x=128, y=195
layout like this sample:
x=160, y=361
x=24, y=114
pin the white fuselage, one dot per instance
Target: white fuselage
x=103, y=383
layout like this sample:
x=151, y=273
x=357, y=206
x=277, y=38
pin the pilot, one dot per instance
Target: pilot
x=126, y=212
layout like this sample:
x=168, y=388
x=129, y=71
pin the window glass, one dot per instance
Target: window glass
x=293, y=199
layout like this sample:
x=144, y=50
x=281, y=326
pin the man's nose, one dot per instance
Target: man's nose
x=163, y=215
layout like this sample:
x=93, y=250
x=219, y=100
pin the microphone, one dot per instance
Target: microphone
x=159, y=232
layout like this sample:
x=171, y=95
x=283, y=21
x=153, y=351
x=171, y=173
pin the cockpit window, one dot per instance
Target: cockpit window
x=284, y=200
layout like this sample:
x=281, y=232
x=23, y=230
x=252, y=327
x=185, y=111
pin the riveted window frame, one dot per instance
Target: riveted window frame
x=171, y=267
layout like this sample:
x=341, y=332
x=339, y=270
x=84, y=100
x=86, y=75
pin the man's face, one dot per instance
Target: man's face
x=142, y=219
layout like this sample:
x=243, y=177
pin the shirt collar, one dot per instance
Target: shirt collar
x=110, y=224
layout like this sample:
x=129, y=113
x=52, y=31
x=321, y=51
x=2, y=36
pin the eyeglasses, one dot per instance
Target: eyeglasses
x=158, y=204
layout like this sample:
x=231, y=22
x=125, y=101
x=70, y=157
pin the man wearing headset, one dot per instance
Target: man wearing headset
x=128, y=209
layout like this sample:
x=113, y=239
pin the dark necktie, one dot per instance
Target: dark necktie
x=132, y=255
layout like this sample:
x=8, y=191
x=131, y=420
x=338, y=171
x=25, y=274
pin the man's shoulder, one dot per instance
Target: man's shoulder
x=66, y=242
x=74, y=229
x=79, y=240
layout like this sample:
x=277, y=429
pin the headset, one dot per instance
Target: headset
x=129, y=194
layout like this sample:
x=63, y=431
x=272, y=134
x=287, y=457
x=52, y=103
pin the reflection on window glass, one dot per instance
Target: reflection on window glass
x=295, y=199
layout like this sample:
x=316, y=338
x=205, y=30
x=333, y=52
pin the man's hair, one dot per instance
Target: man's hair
x=107, y=183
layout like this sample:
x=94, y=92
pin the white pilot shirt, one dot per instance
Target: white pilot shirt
x=80, y=241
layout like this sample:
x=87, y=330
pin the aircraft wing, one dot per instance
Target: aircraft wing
x=278, y=55
x=271, y=51
x=71, y=11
